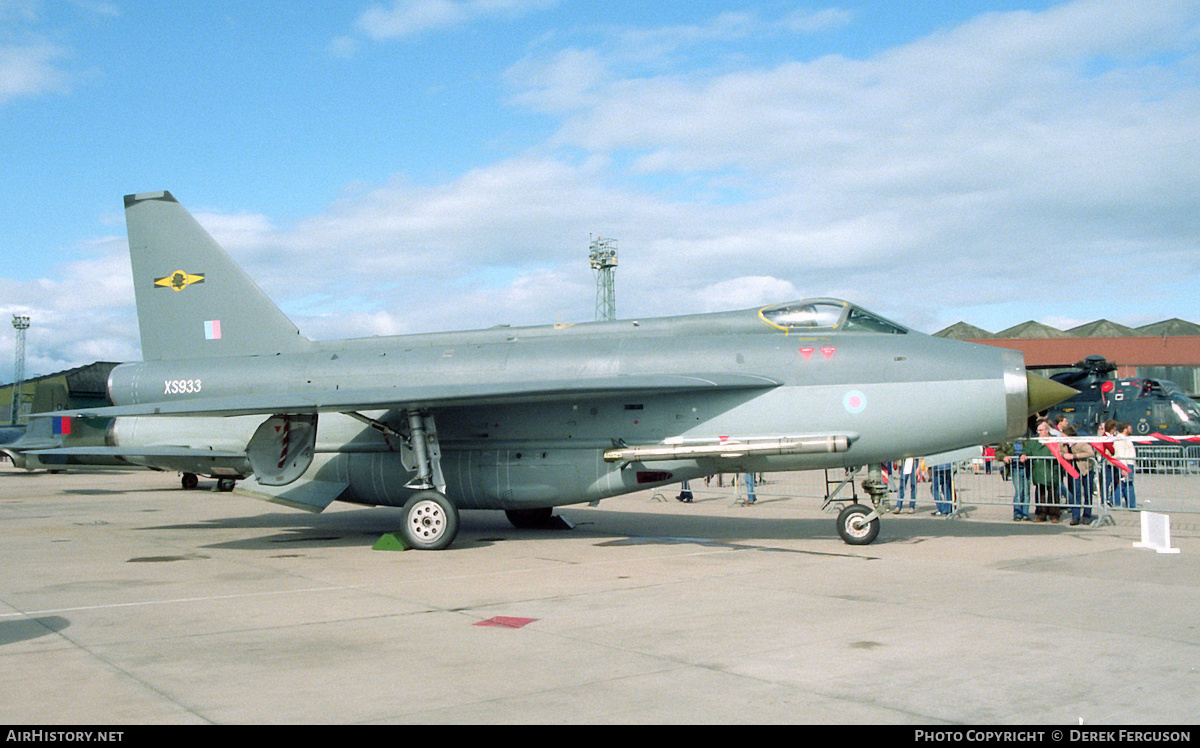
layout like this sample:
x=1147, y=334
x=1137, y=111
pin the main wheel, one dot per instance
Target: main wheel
x=529, y=519
x=189, y=481
x=853, y=526
x=430, y=521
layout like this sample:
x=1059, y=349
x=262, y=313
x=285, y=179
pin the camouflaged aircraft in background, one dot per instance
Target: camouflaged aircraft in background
x=526, y=419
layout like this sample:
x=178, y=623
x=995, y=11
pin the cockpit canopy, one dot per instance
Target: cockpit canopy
x=829, y=315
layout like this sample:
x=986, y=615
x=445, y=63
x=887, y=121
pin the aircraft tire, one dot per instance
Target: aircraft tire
x=853, y=529
x=530, y=519
x=430, y=521
x=189, y=481
x=225, y=485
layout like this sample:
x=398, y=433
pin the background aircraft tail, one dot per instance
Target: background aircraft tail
x=193, y=300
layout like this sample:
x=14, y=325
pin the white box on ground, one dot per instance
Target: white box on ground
x=1156, y=533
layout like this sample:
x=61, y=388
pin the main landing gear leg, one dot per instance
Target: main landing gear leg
x=420, y=448
x=430, y=519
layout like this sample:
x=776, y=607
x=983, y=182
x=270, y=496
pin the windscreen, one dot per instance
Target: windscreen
x=827, y=314
x=863, y=321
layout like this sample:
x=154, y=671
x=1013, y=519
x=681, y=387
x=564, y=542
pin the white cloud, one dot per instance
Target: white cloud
x=85, y=315
x=343, y=47
x=745, y=292
x=30, y=70
x=240, y=233
x=30, y=64
x=567, y=81
x=814, y=21
x=404, y=18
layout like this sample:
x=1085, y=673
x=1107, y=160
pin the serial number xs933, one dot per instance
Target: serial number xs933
x=182, y=386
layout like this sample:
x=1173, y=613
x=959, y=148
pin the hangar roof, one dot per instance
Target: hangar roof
x=1170, y=327
x=1101, y=328
x=1032, y=329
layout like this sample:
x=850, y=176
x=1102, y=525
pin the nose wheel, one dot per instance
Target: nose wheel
x=858, y=524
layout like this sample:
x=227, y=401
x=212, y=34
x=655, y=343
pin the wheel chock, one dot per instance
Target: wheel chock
x=391, y=541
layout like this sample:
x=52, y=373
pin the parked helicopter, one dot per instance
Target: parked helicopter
x=1151, y=406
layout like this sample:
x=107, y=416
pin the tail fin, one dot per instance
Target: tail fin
x=49, y=397
x=193, y=300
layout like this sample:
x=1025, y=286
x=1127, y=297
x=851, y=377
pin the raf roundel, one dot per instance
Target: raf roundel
x=854, y=402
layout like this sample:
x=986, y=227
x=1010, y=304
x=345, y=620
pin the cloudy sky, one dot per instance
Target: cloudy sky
x=419, y=165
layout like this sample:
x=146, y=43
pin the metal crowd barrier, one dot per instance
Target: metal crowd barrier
x=1161, y=479
x=1165, y=478
x=1171, y=459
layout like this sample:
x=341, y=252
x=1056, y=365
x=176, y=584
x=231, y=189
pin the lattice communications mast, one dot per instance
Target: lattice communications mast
x=603, y=257
x=21, y=323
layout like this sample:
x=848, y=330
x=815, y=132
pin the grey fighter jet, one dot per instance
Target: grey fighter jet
x=526, y=419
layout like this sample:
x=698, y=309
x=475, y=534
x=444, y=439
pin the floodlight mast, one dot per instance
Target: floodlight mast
x=603, y=256
x=21, y=323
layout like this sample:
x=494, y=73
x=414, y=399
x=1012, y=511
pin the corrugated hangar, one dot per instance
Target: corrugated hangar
x=84, y=386
x=1164, y=350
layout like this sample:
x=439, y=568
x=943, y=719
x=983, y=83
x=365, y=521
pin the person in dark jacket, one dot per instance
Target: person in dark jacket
x=1045, y=475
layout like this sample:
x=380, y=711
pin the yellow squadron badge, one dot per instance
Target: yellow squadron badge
x=179, y=280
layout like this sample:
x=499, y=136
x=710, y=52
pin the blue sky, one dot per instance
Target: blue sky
x=395, y=167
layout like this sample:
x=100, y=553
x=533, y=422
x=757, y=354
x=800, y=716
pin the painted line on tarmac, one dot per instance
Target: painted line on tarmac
x=176, y=601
